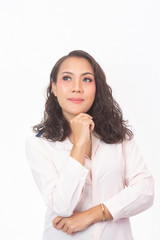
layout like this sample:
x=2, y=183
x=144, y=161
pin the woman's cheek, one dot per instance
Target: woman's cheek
x=63, y=85
x=91, y=87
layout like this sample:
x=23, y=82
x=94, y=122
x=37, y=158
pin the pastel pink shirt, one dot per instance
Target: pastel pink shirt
x=116, y=175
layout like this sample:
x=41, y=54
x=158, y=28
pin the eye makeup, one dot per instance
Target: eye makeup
x=87, y=79
x=66, y=78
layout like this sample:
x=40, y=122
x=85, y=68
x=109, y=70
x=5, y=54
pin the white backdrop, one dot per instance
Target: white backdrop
x=124, y=37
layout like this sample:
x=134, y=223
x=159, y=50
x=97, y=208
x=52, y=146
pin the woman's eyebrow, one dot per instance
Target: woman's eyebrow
x=67, y=73
x=85, y=73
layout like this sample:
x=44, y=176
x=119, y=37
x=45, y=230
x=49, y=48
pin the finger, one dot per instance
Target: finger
x=81, y=115
x=60, y=225
x=70, y=231
x=65, y=228
x=86, y=115
x=87, y=123
x=56, y=221
x=85, y=120
x=80, y=118
x=91, y=126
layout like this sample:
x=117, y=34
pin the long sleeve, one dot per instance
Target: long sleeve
x=61, y=191
x=138, y=194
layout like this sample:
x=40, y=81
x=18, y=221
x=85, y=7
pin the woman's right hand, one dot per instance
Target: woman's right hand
x=81, y=125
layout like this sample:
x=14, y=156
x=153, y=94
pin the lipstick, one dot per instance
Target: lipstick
x=76, y=100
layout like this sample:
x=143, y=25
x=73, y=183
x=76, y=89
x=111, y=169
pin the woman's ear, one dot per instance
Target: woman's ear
x=54, y=89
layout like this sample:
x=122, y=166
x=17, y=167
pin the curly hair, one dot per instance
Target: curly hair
x=106, y=112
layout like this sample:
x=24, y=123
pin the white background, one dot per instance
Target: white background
x=124, y=37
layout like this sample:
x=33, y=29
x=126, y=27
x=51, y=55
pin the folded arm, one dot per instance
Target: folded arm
x=138, y=194
x=61, y=191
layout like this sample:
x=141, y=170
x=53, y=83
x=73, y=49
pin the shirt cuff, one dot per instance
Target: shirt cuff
x=76, y=168
x=114, y=209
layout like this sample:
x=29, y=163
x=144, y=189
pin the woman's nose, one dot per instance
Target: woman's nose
x=77, y=86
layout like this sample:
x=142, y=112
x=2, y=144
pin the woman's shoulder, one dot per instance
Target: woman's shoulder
x=37, y=140
x=129, y=142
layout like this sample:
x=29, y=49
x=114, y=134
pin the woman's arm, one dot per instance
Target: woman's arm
x=138, y=195
x=61, y=190
x=135, y=198
x=79, y=221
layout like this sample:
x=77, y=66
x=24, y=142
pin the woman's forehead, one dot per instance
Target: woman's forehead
x=76, y=64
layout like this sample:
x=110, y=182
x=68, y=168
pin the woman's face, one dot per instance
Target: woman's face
x=75, y=88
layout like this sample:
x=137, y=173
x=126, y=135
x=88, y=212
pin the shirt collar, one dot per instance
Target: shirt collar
x=95, y=143
x=66, y=144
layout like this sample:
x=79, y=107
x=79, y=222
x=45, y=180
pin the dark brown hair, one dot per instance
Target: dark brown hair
x=106, y=113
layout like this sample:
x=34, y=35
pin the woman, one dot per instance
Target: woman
x=84, y=159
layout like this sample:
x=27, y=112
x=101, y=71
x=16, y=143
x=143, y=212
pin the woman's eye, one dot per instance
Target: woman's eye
x=66, y=78
x=87, y=80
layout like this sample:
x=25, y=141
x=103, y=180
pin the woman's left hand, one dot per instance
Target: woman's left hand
x=79, y=221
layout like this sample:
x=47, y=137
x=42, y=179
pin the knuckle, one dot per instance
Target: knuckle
x=67, y=221
x=58, y=227
x=71, y=227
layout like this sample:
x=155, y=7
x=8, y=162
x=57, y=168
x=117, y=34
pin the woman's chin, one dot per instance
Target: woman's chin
x=71, y=115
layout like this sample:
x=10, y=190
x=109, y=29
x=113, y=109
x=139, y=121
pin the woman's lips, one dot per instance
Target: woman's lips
x=76, y=100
